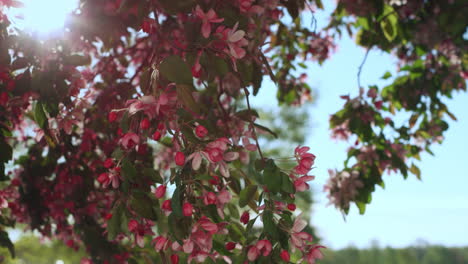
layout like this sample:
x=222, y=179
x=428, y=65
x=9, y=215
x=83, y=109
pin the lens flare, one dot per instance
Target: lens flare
x=44, y=16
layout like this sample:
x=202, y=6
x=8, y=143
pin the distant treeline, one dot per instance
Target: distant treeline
x=411, y=255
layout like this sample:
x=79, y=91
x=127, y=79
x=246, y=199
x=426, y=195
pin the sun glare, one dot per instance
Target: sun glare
x=44, y=16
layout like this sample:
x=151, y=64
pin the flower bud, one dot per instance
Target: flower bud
x=245, y=218
x=285, y=255
x=201, y=131
x=187, y=209
x=160, y=191
x=179, y=158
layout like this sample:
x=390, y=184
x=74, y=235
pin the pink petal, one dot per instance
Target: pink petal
x=299, y=225
x=253, y=253
x=230, y=156
x=199, y=12
x=236, y=36
x=196, y=162
x=206, y=30
x=210, y=14
x=188, y=246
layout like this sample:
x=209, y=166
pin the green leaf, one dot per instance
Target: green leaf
x=247, y=114
x=386, y=75
x=6, y=243
x=236, y=232
x=257, y=78
x=184, y=94
x=389, y=23
x=124, y=123
x=246, y=195
x=286, y=184
x=118, y=154
x=178, y=227
x=40, y=116
x=233, y=211
x=152, y=174
x=212, y=212
x=266, y=129
x=416, y=171
x=114, y=224
x=213, y=64
x=6, y=152
x=143, y=206
x=269, y=225
x=272, y=177
x=362, y=207
x=176, y=203
x=129, y=171
x=219, y=248
x=176, y=70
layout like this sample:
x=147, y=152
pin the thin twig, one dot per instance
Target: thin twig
x=360, y=69
x=163, y=257
x=252, y=124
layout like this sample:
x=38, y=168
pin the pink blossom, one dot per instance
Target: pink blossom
x=188, y=246
x=207, y=225
x=209, y=198
x=246, y=6
x=298, y=238
x=139, y=231
x=112, y=178
x=234, y=39
x=197, y=68
x=313, y=254
x=306, y=160
x=129, y=140
x=145, y=103
x=231, y=156
x=224, y=197
x=132, y=225
x=301, y=185
x=196, y=159
x=214, y=154
x=207, y=18
x=247, y=145
x=253, y=253
x=263, y=247
x=160, y=243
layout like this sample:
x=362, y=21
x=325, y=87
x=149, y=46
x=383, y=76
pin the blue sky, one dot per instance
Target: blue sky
x=434, y=210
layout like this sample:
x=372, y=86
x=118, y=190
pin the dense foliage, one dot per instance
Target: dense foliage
x=141, y=143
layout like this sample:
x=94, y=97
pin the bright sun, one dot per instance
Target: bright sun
x=44, y=16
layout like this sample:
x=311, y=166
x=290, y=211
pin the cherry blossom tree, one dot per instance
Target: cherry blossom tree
x=142, y=145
